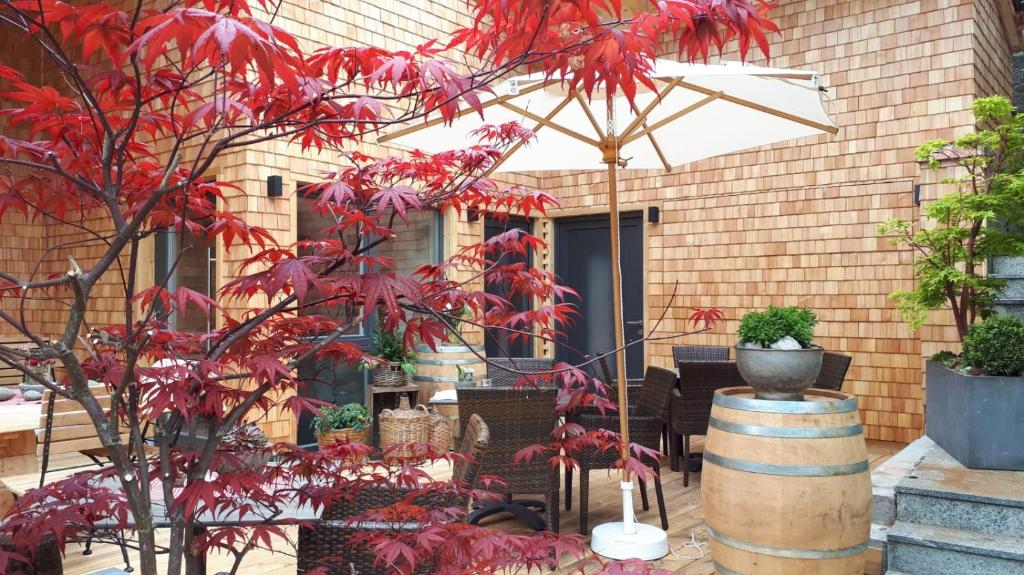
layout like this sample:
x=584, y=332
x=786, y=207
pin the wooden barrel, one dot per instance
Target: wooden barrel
x=438, y=370
x=785, y=485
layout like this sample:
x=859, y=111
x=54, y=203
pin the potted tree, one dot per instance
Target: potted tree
x=243, y=449
x=397, y=366
x=974, y=399
x=774, y=354
x=341, y=423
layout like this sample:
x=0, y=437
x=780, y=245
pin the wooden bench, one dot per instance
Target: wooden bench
x=10, y=376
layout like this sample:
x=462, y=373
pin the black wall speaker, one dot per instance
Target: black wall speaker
x=653, y=214
x=275, y=187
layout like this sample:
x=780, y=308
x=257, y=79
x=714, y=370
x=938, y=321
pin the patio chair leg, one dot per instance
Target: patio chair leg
x=664, y=439
x=673, y=450
x=660, y=495
x=568, y=488
x=88, y=544
x=553, y=507
x=124, y=552
x=643, y=495
x=584, y=498
x=686, y=461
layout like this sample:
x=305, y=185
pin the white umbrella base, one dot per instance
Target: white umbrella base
x=647, y=543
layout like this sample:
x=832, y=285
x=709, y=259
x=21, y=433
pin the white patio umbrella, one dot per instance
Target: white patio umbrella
x=698, y=111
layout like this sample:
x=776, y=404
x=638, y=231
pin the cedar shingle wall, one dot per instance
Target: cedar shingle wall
x=796, y=223
x=787, y=224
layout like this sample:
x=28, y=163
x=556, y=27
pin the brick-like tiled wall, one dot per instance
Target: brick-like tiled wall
x=795, y=223
x=787, y=224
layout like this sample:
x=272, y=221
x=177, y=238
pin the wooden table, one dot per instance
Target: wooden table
x=18, y=424
x=374, y=407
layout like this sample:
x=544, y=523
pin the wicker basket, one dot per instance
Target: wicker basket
x=404, y=425
x=335, y=435
x=440, y=430
x=390, y=375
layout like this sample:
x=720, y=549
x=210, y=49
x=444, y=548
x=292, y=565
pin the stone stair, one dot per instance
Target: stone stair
x=1011, y=301
x=955, y=521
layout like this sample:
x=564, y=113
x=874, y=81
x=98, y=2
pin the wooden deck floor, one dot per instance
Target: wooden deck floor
x=684, y=513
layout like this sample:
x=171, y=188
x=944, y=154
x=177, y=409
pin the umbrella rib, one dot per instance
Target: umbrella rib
x=550, y=124
x=590, y=115
x=648, y=130
x=654, y=143
x=641, y=117
x=764, y=109
x=461, y=113
x=515, y=147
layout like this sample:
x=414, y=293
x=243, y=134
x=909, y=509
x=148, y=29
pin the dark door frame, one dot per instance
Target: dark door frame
x=602, y=213
x=513, y=222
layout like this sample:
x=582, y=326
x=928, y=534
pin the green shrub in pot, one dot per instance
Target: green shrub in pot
x=775, y=355
x=352, y=416
x=776, y=323
x=995, y=346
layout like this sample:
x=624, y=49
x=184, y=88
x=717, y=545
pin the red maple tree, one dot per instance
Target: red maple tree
x=146, y=97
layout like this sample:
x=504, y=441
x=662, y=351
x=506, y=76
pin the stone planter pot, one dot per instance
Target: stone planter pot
x=780, y=374
x=976, y=419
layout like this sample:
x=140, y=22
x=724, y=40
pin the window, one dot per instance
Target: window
x=184, y=260
x=417, y=242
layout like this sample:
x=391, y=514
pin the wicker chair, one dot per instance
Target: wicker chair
x=647, y=413
x=518, y=418
x=833, y=371
x=691, y=405
x=327, y=544
x=699, y=353
x=506, y=371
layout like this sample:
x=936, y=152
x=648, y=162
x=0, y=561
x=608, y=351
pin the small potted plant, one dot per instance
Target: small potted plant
x=348, y=422
x=974, y=400
x=397, y=366
x=243, y=449
x=775, y=355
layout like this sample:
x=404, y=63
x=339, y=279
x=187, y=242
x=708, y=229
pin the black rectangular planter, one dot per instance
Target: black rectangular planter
x=979, y=420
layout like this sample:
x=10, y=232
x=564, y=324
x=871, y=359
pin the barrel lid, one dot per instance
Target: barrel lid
x=446, y=348
x=815, y=401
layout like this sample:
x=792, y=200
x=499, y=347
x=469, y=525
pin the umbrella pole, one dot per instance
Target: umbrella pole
x=626, y=539
x=620, y=342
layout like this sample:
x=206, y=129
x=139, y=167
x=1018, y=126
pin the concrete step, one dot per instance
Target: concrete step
x=1007, y=266
x=920, y=503
x=943, y=493
x=929, y=550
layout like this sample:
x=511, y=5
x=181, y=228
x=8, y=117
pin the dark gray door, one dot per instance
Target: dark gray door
x=497, y=342
x=583, y=262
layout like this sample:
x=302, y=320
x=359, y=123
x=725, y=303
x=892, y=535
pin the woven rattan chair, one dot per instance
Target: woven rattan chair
x=517, y=418
x=699, y=353
x=327, y=544
x=506, y=371
x=833, y=371
x=647, y=412
x=691, y=405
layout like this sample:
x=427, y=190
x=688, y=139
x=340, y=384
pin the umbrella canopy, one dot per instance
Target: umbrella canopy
x=694, y=112
x=698, y=111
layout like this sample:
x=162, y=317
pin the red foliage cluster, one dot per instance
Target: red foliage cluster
x=149, y=97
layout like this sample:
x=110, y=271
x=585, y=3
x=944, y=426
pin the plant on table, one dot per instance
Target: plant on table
x=775, y=354
x=980, y=219
x=397, y=365
x=144, y=106
x=348, y=422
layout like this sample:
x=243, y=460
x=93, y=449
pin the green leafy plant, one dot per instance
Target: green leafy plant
x=246, y=437
x=995, y=346
x=353, y=416
x=981, y=218
x=391, y=349
x=767, y=327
